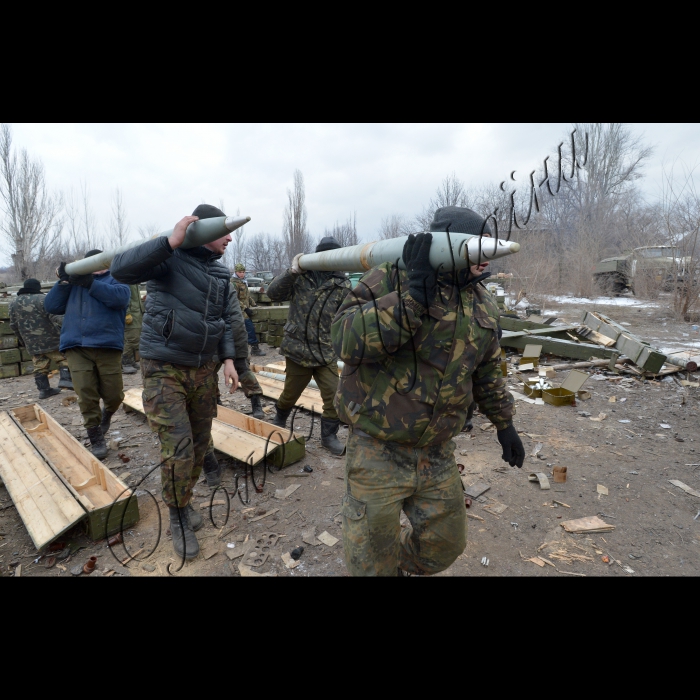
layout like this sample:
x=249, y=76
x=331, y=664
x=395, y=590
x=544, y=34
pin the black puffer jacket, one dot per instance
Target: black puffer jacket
x=187, y=318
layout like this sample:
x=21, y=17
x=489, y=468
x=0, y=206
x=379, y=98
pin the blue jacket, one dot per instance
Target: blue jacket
x=94, y=318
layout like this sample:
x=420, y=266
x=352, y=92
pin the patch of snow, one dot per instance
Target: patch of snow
x=604, y=301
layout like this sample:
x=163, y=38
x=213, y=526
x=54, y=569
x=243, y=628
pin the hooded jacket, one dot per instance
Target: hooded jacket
x=187, y=315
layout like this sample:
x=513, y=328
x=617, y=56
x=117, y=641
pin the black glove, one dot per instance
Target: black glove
x=249, y=313
x=422, y=280
x=513, y=450
x=61, y=272
x=81, y=280
x=240, y=364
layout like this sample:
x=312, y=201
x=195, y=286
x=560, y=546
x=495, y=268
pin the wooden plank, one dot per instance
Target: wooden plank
x=230, y=436
x=556, y=346
x=310, y=399
x=42, y=500
x=554, y=331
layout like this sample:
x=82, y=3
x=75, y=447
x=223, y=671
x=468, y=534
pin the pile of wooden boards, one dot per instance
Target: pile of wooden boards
x=596, y=337
x=269, y=324
x=13, y=359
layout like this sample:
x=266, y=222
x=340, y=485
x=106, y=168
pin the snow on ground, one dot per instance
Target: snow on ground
x=604, y=301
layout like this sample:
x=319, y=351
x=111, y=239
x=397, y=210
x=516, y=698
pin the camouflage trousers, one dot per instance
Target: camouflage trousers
x=42, y=362
x=297, y=378
x=96, y=374
x=382, y=479
x=180, y=404
x=132, y=336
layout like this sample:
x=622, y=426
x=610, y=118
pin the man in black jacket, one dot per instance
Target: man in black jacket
x=186, y=329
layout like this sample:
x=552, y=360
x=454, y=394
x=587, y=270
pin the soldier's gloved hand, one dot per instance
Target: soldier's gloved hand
x=61, y=272
x=249, y=313
x=240, y=365
x=295, y=265
x=513, y=450
x=81, y=280
x=422, y=280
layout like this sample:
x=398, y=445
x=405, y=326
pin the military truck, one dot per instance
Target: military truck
x=659, y=266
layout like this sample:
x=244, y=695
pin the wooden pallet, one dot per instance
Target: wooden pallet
x=243, y=437
x=310, y=399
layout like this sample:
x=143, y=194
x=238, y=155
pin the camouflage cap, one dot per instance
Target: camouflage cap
x=240, y=267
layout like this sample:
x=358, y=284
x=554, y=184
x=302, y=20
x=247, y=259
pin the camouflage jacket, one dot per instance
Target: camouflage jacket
x=40, y=331
x=134, y=313
x=244, y=298
x=307, y=333
x=410, y=375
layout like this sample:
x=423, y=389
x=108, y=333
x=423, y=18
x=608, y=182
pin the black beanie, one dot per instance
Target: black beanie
x=90, y=253
x=207, y=211
x=460, y=220
x=32, y=286
x=327, y=243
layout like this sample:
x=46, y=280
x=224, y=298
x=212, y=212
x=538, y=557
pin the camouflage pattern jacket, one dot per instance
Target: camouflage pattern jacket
x=244, y=298
x=135, y=309
x=410, y=375
x=307, y=333
x=40, y=331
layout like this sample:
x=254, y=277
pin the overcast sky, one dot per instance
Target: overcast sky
x=165, y=170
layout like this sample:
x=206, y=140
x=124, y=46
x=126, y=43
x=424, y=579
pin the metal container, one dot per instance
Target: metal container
x=566, y=393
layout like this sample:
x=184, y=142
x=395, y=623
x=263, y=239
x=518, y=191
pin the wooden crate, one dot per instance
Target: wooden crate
x=243, y=437
x=9, y=371
x=105, y=500
x=9, y=357
x=26, y=368
x=6, y=328
x=4, y=311
x=25, y=355
x=8, y=341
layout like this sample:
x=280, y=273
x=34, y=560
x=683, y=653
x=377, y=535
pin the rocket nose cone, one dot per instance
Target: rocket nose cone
x=514, y=247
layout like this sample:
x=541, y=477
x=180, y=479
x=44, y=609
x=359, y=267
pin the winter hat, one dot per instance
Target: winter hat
x=31, y=286
x=327, y=243
x=207, y=211
x=239, y=267
x=90, y=253
x=460, y=220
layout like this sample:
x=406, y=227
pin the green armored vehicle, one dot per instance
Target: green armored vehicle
x=659, y=266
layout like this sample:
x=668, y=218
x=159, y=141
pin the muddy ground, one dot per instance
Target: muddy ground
x=655, y=533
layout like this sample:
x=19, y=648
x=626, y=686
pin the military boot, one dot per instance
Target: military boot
x=281, y=417
x=329, y=429
x=212, y=470
x=468, y=424
x=255, y=350
x=128, y=367
x=98, y=447
x=184, y=540
x=65, y=381
x=45, y=390
x=196, y=520
x=256, y=405
x=106, y=420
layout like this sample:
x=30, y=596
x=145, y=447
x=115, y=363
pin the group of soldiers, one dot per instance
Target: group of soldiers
x=420, y=348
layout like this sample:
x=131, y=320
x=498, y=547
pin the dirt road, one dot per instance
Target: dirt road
x=628, y=453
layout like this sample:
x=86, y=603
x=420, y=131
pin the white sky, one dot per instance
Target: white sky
x=165, y=170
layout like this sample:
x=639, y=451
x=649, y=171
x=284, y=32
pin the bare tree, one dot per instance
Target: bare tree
x=451, y=192
x=148, y=231
x=32, y=223
x=236, y=252
x=345, y=234
x=118, y=225
x=266, y=252
x=394, y=226
x=294, y=231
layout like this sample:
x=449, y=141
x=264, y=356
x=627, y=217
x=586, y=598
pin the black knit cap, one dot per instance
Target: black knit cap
x=33, y=286
x=327, y=243
x=460, y=220
x=207, y=211
x=90, y=253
